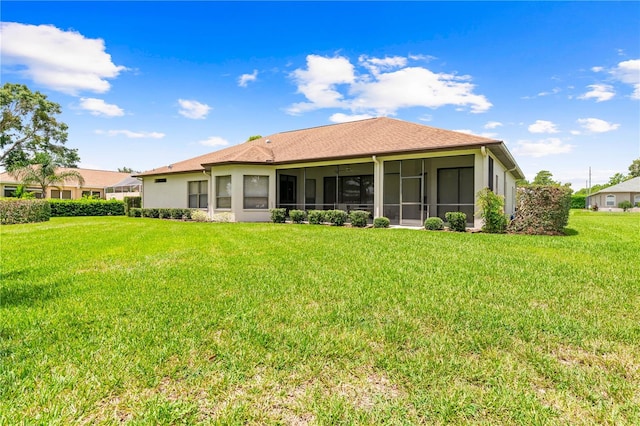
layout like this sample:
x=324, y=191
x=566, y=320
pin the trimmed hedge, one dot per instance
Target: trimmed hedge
x=23, y=210
x=86, y=207
x=541, y=210
x=278, y=215
x=434, y=224
x=457, y=221
x=162, y=213
x=359, y=218
x=381, y=222
x=297, y=216
x=316, y=217
x=336, y=217
x=131, y=203
x=578, y=202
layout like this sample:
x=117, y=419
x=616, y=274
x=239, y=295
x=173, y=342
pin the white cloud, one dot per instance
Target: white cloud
x=384, y=86
x=543, y=126
x=244, y=79
x=132, y=135
x=629, y=72
x=597, y=69
x=344, y=118
x=600, y=92
x=553, y=91
x=492, y=125
x=214, y=141
x=100, y=108
x=542, y=148
x=193, y=109
x=64, y=61
x=595, y=125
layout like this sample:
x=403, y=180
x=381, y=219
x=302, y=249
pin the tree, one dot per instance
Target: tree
x=126, y=170
x=544, y=177
x=616, y=179
x=45, y=173
x=252, y=138
x=29, y=126
x=634, y=168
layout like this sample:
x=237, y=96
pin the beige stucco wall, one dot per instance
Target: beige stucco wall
x=601, y=198
x=173, y=193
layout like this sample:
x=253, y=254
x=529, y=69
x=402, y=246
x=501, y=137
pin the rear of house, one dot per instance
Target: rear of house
x=404, y=171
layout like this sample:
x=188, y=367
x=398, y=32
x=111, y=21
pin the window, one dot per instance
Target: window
x=91, y=194
x=610, y=201
x=256, y=192
x=198, y=197
x=491, y=175
x=160, y=180
x=223, y=192
x=64, y=194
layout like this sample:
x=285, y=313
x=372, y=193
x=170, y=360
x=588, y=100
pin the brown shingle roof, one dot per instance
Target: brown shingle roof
x=92, y=178
x=374, y=136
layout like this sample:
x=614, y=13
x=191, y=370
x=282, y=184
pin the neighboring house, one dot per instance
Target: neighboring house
x=401, y=170
x=95, y=182
x=128, y=187
x=610, y=197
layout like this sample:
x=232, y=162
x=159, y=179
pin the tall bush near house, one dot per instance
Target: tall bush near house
x=578, y=201
x=625, y=205
x=457, y=221
x=492, y=212
x=541, y=210
x=14, y=210
x=131, y=203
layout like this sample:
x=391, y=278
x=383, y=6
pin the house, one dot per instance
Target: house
x=95, y=182
x=402, y=170
x=609, y=198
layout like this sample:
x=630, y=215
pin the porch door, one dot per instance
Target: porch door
x=288, y=191
x=411, y=202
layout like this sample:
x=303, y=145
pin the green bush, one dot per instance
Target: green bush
x=278, y=215
x=86, y=207
x=297, y=216
x=164, y=213
x=131, y=203
x=434, y=224
x=457, y=221
x=578, y=201
x=23, y=210
x=492, y=212
x=199, y=216
x=541, y=210
x=316, y=217
x=336, y=217
x=135, y=212
x=359, y=218
x=151, y=212
x=381, y=222
x=625, y=205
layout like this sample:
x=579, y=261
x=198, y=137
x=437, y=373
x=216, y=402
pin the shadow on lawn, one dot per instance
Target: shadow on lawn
x=570, y=232
x=14, y=292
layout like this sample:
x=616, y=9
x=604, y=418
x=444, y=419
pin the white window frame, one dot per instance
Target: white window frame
x=203, y=189
x=607, y=198
x=224, y=194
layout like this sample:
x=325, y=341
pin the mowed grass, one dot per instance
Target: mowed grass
x=110, y=320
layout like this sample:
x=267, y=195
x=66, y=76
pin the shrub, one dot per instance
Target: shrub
x=135, y=212
x=131, y=203
x=336, y=217
x=359, y=218
x=151, y=212
x=492, y=212
x=278, y=215
x=297, y=216
x=457, y=221
x=381, y=222
x=316, y=217
x=541, y=210
x=199, y=216
x=578, y=201
x=16, y=210
x=625, y=205
x=434, y=224
x=223, y=217
x=164, y=213
x=86, y=207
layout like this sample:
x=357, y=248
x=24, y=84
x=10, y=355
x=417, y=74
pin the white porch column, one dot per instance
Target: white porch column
x=378, y=185
x=480, y=180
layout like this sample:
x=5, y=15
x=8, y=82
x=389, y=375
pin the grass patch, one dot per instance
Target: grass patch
x=116, y=319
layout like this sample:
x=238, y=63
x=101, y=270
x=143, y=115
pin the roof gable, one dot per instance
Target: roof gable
x=631, y=185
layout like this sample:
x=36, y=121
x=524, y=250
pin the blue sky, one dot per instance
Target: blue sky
x=145, y=84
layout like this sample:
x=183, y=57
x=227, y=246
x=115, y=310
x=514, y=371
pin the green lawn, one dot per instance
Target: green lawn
x=105, y=320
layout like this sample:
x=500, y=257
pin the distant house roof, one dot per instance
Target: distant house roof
x=631, y=185
x=92, y=178
x=128, y=181
x=376, y=136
